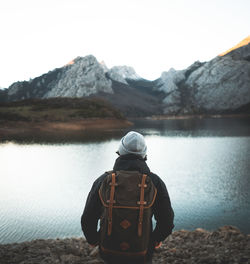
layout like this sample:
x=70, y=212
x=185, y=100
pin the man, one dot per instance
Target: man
x=152, y=190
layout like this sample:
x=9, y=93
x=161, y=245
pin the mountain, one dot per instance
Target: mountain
x=221, y=85
x=81, y=77
x=244, y=42
x=86, y=77
x=133, y=101
x=122, y=74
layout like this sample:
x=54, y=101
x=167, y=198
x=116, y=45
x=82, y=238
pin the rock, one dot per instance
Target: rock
x=121, y=73
x=201, y=230
x=172, y=103
x=229, y=229
x=168, y=84
x=222, y=83
x=69, y=259
x=94, y=252
x=207, y=260
x=81, y=77
x=170, y=79
x=244, y=42
x=95, y=261
x=198, y=246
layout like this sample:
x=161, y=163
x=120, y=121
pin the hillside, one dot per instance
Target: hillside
x=133, y=101
x=57, y=109
x=58, y=119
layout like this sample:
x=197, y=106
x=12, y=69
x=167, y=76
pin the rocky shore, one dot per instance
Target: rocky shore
x=225, y=245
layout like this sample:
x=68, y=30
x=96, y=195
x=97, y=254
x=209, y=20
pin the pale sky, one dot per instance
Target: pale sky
x=150, y=35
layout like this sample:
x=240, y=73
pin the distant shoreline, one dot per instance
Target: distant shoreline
x=55, y=117
x=58, y=128
x=202, y=116
x=79, y=127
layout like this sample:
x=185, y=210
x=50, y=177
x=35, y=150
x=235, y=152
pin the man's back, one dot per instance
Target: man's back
x=161, y=207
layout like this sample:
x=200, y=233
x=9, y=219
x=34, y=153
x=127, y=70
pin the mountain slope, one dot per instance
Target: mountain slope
x=122, y=73
x=57, y=109
x=82, y=77
x=221, y=85
x=244, y=42
x=85, y=77
x=132, y=102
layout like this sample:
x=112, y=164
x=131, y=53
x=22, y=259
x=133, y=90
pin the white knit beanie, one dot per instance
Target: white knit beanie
x=133, y=143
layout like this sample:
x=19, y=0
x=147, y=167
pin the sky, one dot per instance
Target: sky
x=152, y=36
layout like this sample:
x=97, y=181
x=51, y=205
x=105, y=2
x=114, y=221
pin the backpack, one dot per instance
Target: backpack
x=125, y=225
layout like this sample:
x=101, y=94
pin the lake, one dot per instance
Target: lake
x=204, y=163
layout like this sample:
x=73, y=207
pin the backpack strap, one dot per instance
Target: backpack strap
x=111, y=201
x=141, y=203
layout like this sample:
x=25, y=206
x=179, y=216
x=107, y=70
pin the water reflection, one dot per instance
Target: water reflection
x=205, y=127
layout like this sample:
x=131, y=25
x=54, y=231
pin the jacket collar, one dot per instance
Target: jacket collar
x=131, y=162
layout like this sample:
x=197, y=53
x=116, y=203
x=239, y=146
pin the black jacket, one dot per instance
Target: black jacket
x=162, y=210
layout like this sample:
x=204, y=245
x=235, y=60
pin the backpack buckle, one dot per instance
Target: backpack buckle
x=144, y=186
x=141, y=202
x=113, y=184
x=108, y=201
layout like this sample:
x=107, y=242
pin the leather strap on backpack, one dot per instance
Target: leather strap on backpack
x=111, y=202
x=141, y=203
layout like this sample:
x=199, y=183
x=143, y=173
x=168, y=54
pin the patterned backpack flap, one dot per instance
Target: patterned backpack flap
x=127, y=198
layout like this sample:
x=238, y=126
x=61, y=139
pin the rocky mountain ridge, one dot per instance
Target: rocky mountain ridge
x=221, y=85
x=86, y=77
x=217, y=86
x=242, y=43
x=122, y=73
x=81, y=78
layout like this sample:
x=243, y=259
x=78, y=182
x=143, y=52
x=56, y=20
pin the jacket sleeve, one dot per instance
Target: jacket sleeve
x=91, y=214
x=163, y=213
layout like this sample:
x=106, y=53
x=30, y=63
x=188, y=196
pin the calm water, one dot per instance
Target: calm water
x=204, y=163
